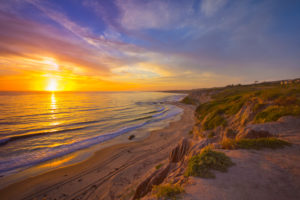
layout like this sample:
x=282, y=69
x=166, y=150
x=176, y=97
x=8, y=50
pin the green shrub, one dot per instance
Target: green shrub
x=274, y=112
x=213, y=121
x=206, y=108
x=211, y=134
x=287, y=101
x=201, y=164
x=167, y=191
x=158, y=166
x=224, y=104
x=276, y=93
x=271, y=94
x=259, y=143
x=234, y=106
x=230, y=133
x=274, y=102
x=188, y=100
x=258, y=106
x=229, y=143
x=229, y=106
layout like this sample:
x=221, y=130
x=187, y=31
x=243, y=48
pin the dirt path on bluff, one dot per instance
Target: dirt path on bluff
x=258, y=174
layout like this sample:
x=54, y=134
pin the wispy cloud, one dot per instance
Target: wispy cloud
x=25, y=38
x=151, y=43
x=210, y=7
x=137, y=15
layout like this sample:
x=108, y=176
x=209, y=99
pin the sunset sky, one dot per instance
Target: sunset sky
x=103, y=45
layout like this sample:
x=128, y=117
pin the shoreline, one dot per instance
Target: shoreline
x=104, y=164
x=84, y=154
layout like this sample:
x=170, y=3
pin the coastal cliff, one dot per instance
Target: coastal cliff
x=254, y=128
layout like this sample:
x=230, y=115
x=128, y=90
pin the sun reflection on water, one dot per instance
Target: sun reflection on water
x=53, y=108
x=53, y=102
x=56, y=162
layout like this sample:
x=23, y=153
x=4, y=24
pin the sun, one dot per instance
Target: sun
x=52, y=85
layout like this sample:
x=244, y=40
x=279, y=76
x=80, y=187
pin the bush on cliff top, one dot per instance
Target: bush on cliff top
x=167, y=191
x=272, y=102
x=224, y=104
x=213, y=121
x=188, y=100
x=258, y=143
x=274, y=112
x=158, y=166
x=201, y=164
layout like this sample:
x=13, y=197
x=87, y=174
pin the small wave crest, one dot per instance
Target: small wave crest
x=87, y=125
x=36, y=157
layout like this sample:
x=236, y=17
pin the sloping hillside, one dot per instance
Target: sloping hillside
x=258, y=129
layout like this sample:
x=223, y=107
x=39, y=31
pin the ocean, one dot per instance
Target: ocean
x=38, y=127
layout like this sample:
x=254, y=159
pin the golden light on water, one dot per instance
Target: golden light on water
x=53, y=108
x=53, y=101
x=57, y=162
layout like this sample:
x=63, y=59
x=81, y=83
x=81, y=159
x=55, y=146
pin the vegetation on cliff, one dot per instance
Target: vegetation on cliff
x=268, y=102
x=201, y=164
x=158, y=166
x=189, y=100
x=257, y=143
x=228, y=118
x=167, y=191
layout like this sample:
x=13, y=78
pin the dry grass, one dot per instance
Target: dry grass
x=259, y=143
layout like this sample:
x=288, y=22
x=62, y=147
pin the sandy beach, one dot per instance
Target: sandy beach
x=111, y=173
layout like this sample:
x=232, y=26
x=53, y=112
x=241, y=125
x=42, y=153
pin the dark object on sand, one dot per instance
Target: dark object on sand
x=131, y=137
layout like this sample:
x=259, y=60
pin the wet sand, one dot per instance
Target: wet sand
x=111, y=173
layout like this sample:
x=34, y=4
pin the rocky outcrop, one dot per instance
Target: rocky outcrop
x=282, y=126
x=179, y=151
x=199, y=145
x=157, y=177
x=230, y=133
